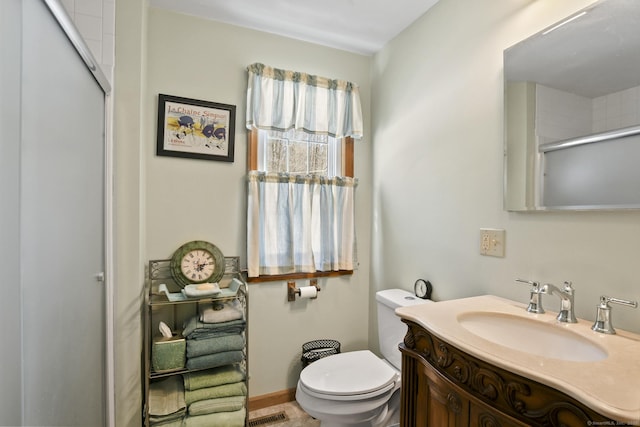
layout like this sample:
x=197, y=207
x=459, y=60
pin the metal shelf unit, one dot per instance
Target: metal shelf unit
x=158, y=307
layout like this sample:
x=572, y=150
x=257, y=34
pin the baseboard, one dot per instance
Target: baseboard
x=275, y=398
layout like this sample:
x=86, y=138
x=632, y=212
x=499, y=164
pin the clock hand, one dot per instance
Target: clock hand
x=200, y=267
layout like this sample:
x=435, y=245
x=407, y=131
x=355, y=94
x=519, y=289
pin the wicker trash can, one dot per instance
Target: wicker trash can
x=317, y=349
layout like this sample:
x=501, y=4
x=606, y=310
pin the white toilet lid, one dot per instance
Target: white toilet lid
x=351, y=373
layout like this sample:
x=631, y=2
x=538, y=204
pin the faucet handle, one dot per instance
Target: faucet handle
x=605, y=299
x=529, y=282
x=535, y=298
x=603, y=314
x=535, y=286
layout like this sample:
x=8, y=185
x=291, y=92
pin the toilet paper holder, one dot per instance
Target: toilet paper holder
x=292, y=291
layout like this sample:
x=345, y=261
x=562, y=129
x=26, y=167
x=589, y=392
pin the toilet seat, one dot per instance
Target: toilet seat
x=354, y=375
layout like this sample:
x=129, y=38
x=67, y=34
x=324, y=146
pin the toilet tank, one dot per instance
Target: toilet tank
x=391, y=330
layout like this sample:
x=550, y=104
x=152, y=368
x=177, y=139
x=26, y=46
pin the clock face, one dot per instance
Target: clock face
x=422, y=289
x=198, y=265
x=197, y=262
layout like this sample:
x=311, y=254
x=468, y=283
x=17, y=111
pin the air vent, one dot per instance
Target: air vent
x=268, y=419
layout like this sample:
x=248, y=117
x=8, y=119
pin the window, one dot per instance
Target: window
x=300, y=203
x=300, y=153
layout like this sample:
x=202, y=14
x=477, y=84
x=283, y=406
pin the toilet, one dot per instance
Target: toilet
x=358, y=388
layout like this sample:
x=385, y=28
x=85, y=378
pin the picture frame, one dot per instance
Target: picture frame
x=196, y=129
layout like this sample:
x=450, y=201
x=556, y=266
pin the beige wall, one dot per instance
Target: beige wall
x=129, y=216
x=438, y=94
x=193, y=199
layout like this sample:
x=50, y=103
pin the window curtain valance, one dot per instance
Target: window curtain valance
x=282, y=100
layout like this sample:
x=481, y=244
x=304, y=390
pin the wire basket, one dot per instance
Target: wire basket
x=317, y=349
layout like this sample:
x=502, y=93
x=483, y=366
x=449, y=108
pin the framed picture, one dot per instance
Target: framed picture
x=195, y=129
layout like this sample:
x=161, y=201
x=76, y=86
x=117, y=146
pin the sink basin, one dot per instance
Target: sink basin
x=531, y=336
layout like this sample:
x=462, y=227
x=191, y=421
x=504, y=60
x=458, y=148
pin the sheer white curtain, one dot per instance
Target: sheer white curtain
x=300, y=224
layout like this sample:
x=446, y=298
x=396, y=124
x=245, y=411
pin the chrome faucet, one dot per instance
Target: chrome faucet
x=566, y=294
x=566, y=313
x=603, y=315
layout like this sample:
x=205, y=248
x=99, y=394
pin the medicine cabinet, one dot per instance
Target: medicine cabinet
x=572, y=113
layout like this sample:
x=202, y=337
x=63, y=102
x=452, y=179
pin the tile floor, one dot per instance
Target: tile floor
x=297, y=417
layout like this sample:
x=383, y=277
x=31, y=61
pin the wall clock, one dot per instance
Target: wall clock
x=197, y=262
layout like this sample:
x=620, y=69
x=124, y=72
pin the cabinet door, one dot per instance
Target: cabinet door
x=446, y=405
x=481, y=414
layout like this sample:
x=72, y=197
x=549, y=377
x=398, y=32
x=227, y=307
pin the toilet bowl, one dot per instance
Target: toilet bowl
x=351, y=389
x=358, y=388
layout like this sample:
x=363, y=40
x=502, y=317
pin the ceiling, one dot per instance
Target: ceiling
x=360, y=26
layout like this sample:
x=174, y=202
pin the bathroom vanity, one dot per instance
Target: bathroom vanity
x=486, y=361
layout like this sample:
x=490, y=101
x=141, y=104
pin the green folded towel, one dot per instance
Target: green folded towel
x=193, y=325
x=226, y=390
x=171, y=423
x=219, y=404
x=166, y=399
x=203, y=347
x=212, y=377
x=161, y=420
x=219, y=419
x=215, y=360
x=201, y=334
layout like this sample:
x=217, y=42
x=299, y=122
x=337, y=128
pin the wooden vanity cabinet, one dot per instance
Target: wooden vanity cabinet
x=449, y=405
x=444, y=386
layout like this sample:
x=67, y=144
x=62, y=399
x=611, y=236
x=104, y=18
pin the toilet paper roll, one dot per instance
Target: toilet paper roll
x=308, y=292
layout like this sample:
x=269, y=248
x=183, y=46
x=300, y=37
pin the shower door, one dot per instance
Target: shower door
x=62, y=229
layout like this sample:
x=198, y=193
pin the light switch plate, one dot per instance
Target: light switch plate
x=492, y=242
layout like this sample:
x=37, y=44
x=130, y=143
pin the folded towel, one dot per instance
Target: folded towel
x=170, y=423
x=219, y=404
x=226, y=390
x=221, y=312
x=220, y=419
x=194, y=328
x=202, y=347
x=212, y=377
x=166, y=397
x=203, y=334
x=214, y=360
x=178, y=422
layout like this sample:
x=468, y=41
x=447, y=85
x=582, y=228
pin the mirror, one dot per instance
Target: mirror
x=572, y=113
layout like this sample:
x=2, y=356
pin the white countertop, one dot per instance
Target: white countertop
x=610, y=386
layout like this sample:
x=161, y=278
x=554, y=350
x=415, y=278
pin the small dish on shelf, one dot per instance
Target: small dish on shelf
x=229, y=291
x=201, y=290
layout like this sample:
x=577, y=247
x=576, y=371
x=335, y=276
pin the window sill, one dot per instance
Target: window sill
x=295, y=276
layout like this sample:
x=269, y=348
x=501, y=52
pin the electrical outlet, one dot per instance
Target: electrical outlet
x=492, y=242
